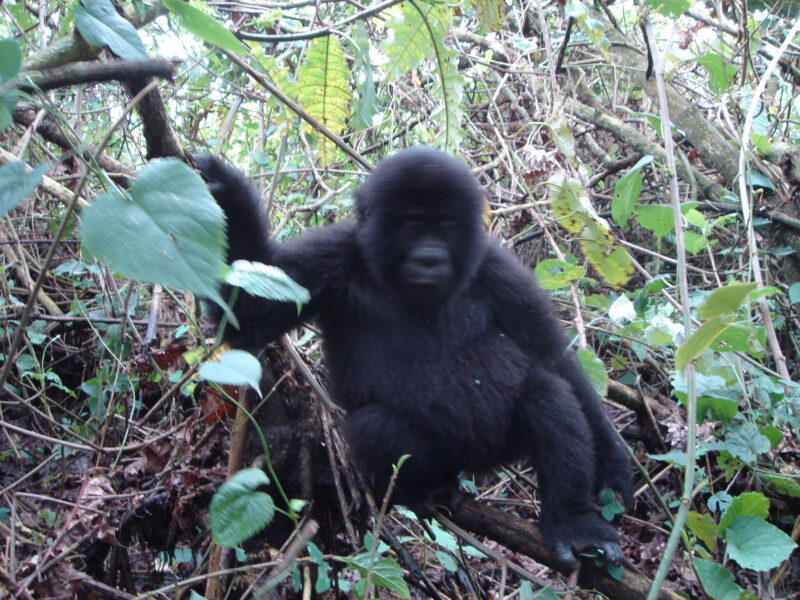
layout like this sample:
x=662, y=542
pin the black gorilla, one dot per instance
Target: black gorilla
x=438, y=342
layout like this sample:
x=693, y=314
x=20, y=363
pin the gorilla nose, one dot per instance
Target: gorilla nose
x=429, y=257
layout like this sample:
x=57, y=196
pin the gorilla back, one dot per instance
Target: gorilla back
x=438, y=342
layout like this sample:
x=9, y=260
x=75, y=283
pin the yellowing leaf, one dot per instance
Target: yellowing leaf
x=323, y=84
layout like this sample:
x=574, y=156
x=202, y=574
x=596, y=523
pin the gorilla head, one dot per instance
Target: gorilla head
x=421, y=226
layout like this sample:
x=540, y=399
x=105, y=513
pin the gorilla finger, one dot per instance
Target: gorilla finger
x=612, y=552
x=565, y=556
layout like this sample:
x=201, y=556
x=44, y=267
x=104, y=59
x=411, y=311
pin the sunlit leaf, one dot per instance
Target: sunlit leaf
x=323, y=85
x=167, y=229
x=205, y=27
x=725, y=300
x=101, y=25
x=233, y=367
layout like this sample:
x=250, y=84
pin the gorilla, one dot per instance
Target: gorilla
x=438, y=344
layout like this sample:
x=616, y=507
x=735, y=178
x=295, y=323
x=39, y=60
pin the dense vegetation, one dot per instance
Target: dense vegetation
x=643, y=158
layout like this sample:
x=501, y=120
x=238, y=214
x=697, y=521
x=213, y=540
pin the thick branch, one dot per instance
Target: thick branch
x=95, y=72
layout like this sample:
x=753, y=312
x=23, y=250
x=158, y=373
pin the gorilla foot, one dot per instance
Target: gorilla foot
x=572, y=534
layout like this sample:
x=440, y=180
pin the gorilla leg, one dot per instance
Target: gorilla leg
x=378, y=437
x=564, y=457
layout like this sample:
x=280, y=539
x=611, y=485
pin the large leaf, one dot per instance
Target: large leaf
x=627, y=192
x=756, y=544
x=419, y=30
x=701, y=339
x=611, y=261
x=266, y=281
x=725, y=300
x=720, y=70
x=450, y=92
x=594, y=369
x=238, y=511
x=555, y=274
x=16, y=182
x=411, y=40
x=205, y=27
x=704, y=528
x=323, y=83
x=167, y=229
x=569, y=202
x=234, y=367
x=750, y=504
x=101, y=25
x=386, y=573
x=717, y=580
x=658, y=218
x=367, y=104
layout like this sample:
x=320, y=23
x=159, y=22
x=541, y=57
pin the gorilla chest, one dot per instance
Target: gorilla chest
x=449, y=364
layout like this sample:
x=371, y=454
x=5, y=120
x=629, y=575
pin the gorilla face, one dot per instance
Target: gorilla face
x=420, y=225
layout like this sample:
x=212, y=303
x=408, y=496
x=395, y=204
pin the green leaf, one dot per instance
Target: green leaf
x=266, y=281
x=704, y=528
x=756, y=544
x=205, y=27
x=238, y=511
x=367, y=104
x=670, y=8
x=167, y=229
x=717, y=580
x=323, y=83
x=411, y=41
x=720, y=70
x=556, y=274
x=794, y=293
x=749, y=504
x=658, y=218
x=386, y=573
x=694, y=242
x=491, y=13
x=701, y=339
x=773, y=434
x=447, y=561
x=786, y=486
x=594, y=369
x=10, y=59
x=627, y=192
x=757, y=180
x=610, y=506
x=234, y=367
x=16, y=182
x=449, y=90
x=744, y=441
x=725, y=300
x=101, y=25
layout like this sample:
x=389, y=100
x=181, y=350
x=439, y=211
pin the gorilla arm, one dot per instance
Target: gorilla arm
x=567, y=435
x=314, y=260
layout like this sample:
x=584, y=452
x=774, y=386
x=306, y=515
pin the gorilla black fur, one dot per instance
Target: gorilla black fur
x=438, y=342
